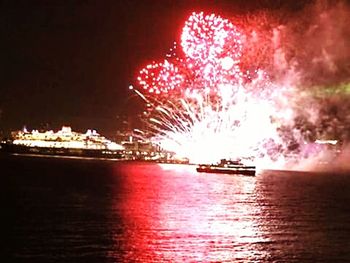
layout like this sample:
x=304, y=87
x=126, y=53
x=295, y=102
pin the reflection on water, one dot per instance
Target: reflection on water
x=69, y=211
x=179, y=215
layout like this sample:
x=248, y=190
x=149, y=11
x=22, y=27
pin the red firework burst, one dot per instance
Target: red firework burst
x=160, y=77
x=212, y=48
x=210, y=37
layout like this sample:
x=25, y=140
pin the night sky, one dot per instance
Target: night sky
x=71, y=62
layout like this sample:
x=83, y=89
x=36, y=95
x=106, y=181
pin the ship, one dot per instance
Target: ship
x=228, y=167
x=65, y=143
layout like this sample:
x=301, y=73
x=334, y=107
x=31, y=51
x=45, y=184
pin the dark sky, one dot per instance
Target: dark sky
x=71, y=62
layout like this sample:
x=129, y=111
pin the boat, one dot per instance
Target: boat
x=227, y=167
x=64, y=142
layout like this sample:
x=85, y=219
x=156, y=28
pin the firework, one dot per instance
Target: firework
x=160, y=77
x=218, y=111
x=212, y=46
x=212, y=49
x=210, y=38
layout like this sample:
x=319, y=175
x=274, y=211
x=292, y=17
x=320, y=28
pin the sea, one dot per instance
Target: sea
x=73, y=210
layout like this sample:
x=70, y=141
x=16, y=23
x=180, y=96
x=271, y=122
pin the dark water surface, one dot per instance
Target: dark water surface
x=60, y=210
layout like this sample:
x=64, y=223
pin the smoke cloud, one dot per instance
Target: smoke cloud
x=306, y=53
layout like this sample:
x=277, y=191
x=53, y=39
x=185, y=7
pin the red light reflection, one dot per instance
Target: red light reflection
x=177, y=215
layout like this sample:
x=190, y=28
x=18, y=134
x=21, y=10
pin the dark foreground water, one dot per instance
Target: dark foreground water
x=59, y=210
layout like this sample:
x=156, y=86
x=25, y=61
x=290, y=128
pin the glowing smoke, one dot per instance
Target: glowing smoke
x=309, y=52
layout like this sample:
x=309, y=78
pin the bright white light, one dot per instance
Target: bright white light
x=114, y=146
x=227, y=63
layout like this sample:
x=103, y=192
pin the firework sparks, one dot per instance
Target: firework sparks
x=160, y=77
x=207, y=38
x=212, y=46
x=218, y=111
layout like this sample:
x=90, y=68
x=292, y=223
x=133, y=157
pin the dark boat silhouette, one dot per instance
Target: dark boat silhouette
x=227, y=167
